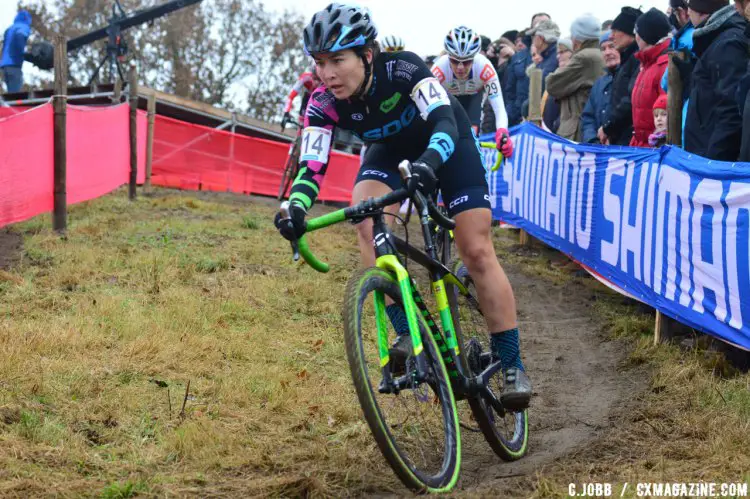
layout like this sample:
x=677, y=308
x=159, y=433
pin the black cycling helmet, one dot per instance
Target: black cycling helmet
x=339, y=27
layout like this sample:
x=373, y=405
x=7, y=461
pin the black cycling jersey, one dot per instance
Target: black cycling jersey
x=407, y=110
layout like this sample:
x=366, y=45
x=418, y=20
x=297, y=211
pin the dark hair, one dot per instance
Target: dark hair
x=485, y=42
x=537, y=15
x=607, y=24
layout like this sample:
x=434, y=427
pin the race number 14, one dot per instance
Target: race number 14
x=316, y=143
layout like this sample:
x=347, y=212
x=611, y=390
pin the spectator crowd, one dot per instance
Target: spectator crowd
x=607, y=83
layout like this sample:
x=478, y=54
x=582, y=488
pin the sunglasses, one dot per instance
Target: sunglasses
x=465, y=62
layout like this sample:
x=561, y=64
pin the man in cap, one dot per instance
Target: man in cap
x=516, y=90
x=545, y=37
x=619, y=128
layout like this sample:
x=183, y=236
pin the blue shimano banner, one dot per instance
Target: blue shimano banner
x=668, y=227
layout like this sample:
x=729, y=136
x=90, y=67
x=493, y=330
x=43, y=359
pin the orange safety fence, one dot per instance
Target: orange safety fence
x=195, y=157
x=98, y=156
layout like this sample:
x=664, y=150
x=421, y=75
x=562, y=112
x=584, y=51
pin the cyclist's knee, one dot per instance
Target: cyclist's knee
x=478, y=254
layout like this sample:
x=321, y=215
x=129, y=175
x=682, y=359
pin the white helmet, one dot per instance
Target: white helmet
x=393, y=44
x=462, y=43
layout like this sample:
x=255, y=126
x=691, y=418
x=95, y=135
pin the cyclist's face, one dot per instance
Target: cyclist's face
x=461, y=68
x=341, y=72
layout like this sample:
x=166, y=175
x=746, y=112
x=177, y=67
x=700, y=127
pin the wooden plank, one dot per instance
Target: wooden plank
x=535, y=97
x=59, y=103
x=133, y=91
x=150, y=140
x=219, y=114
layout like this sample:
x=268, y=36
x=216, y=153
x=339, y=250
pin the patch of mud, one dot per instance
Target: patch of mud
x=579, y=384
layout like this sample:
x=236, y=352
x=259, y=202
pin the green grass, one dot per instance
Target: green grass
x=101, y=333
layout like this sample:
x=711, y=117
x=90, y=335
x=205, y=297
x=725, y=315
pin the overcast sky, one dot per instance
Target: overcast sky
x=423, y=23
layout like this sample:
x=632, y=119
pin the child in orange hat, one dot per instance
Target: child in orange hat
x=659, y=137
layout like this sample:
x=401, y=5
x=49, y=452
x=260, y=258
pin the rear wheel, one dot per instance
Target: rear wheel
x=416, y=428
x=506, y=433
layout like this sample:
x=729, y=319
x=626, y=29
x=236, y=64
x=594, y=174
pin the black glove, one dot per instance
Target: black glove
x=423, y=178
x=291, y=228
x=287, y=117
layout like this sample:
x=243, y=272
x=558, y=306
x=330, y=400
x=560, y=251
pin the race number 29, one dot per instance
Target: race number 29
x=316, y=143
x=429, y=94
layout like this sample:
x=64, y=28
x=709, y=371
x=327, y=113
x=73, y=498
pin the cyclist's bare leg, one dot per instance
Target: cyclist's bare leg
x=362, y=191
x=474, y=243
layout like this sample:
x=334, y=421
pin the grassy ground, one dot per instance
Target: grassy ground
x=100, y=335
x=171, y=347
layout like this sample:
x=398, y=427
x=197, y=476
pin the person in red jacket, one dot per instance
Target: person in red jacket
x=652, y=31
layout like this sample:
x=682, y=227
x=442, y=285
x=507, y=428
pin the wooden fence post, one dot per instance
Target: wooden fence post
x=59, y=103
x=674, y=101
x=133, y=94
x=663, y=325
x=150, y=140
x=535, y=116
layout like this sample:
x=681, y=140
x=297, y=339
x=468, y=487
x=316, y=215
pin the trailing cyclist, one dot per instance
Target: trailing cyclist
x=397, y=106
x=305, y=84
x=393, y=44
x=468, y=75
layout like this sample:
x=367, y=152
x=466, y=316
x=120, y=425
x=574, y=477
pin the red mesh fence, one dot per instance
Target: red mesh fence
x=195, y=157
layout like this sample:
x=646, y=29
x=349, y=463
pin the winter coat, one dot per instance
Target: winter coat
x=743, y=101
x=596, y=111
x=647, y=88
x=619, y=127
x=14, y=40
x=517, y=85
x=549, y=63
x=713, y=128
x=571, y=87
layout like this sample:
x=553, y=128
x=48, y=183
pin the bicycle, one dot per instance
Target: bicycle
x=291, y=167
x=439, y=372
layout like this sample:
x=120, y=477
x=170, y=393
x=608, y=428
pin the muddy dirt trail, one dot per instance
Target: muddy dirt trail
x=579, y=383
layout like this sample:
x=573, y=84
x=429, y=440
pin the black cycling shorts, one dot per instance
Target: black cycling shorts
x=462, y=178
x=472, y=104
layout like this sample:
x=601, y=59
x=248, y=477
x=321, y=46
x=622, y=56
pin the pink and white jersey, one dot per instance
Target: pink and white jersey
x=482, y=77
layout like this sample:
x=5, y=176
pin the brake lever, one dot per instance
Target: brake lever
x=287, y=216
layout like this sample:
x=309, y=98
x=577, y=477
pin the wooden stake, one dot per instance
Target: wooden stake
x=59, y=103
x=150, y=140
x=674, y=101
x=133, y=93
x=535, y=97
x=663, y=325
x=117, y=92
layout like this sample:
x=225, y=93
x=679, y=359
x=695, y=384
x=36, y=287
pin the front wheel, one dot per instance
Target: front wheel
x=290, y=170
x=415, y=428
x=506, y=433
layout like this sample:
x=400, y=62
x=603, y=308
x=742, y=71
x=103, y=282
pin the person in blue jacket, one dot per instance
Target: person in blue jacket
x=14, y=46
x=516, y=90
x=681, y=41
x=596, y=112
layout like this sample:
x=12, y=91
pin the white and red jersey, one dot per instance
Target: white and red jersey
x=481, y=77
x=306, y=83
